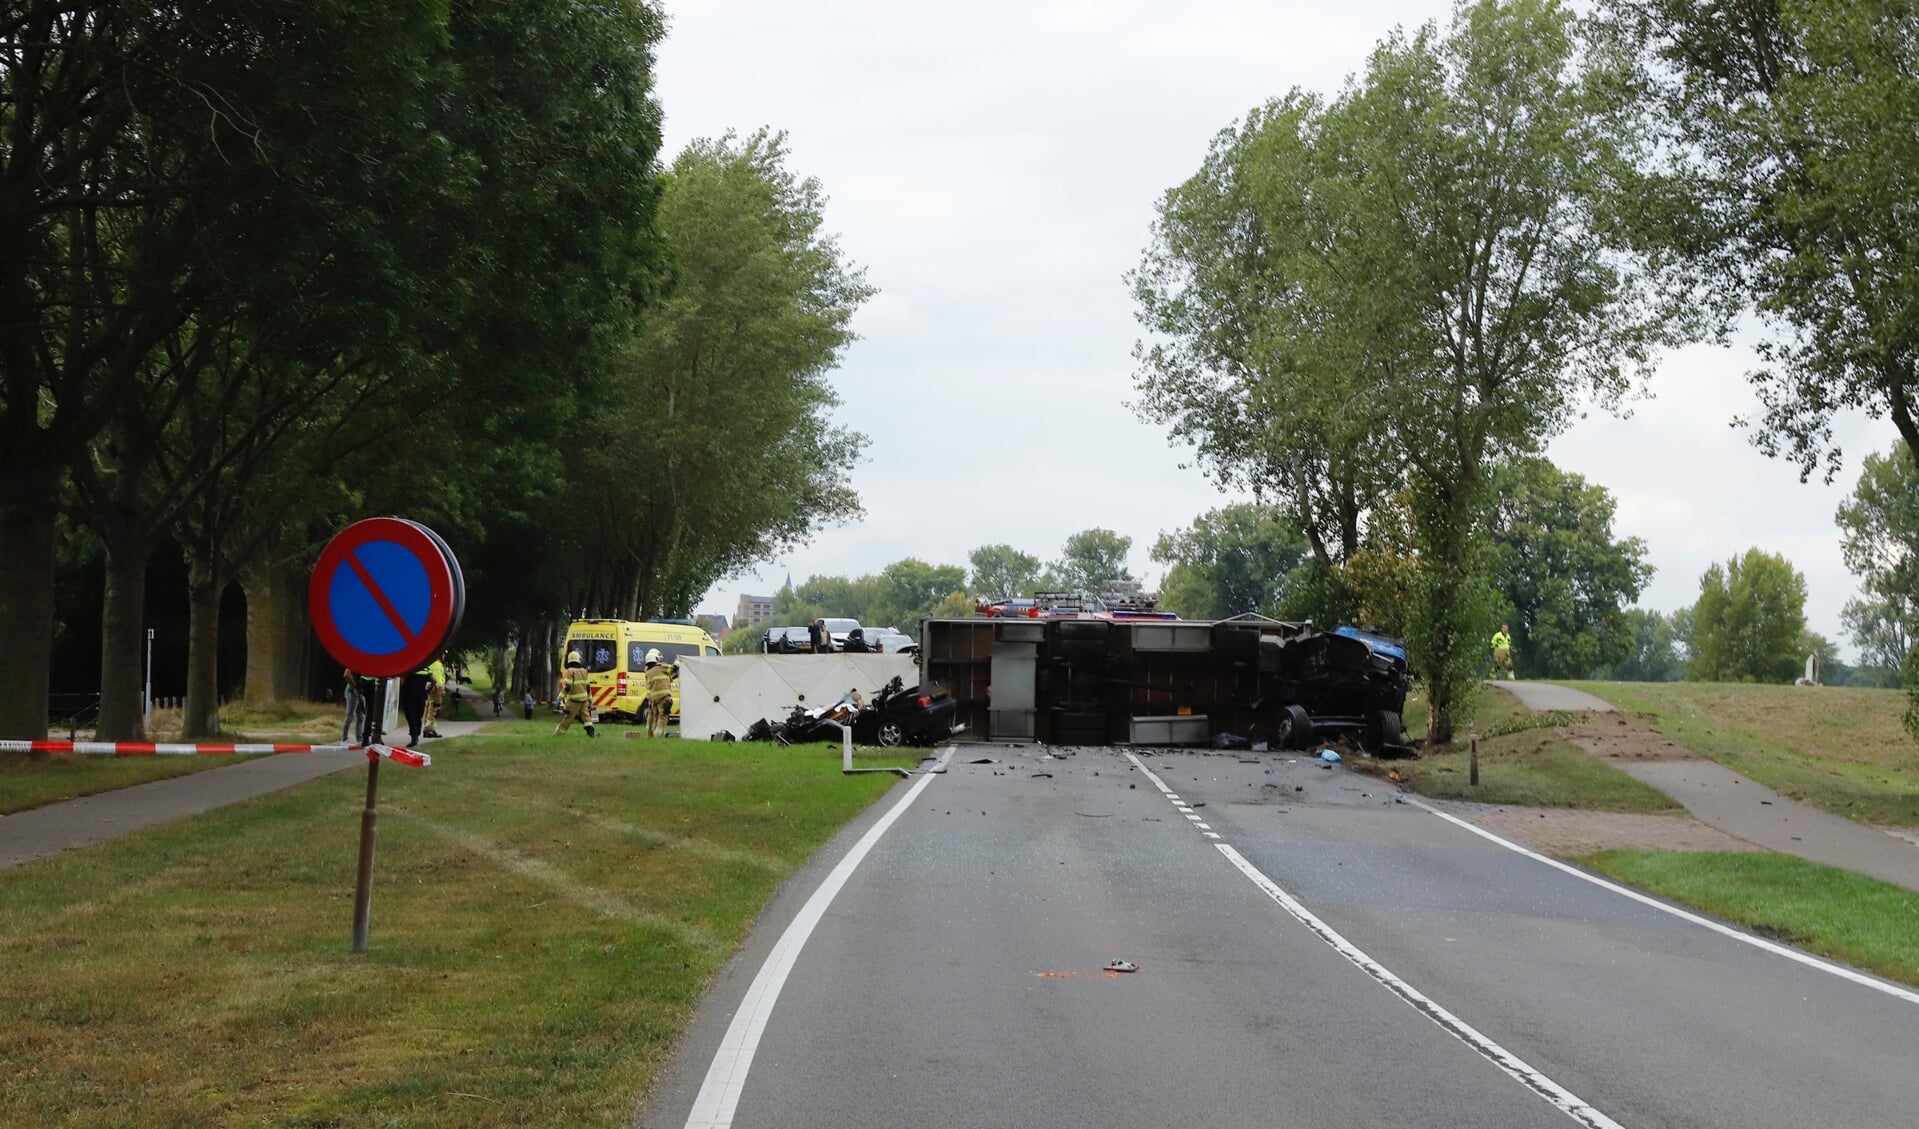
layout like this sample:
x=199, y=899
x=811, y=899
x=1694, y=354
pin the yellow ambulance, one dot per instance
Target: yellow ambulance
x=614, y=651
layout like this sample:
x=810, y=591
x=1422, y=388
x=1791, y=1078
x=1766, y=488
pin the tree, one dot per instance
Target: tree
x=1090, y=558
x=1001, y=571
x=1879, y=539
x=715, y=447
x=1230, y=560
x=1653, y=653
x=1789, y=177
x=1440, y=258
x=1566, y=581
x=1748, y=621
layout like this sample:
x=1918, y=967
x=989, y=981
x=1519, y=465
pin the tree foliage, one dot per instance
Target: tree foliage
x=1653, y=652
x=1090, y=558
x=1002, y=571
x=1230, y=560
x=1749, y=621
x=1416, y=280
x=1566, y=581
x=1789, y=180
x=711, y=445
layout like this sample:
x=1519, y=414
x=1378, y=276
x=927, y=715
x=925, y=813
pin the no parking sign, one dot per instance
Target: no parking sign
x=385, y=596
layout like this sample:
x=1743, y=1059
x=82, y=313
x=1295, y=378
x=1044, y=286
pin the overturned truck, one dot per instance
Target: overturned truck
x=1099, y=681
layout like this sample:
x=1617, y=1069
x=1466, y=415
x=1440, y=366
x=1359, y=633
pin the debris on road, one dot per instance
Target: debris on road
x=1121, y=966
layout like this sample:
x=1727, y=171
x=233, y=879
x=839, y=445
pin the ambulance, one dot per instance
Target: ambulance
x=614, y=651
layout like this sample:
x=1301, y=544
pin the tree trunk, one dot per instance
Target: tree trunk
x=263, y=636
x=277, y=630
x=27, y=512
x=205, y=585
x=123, y=640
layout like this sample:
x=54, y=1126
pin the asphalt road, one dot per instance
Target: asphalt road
x=1429, y=976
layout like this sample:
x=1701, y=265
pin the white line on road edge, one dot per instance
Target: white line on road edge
x=1514, y=1066
x=726, y=1079
x=1499, y=1056
x=1756, y=942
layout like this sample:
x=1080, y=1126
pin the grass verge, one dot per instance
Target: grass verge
x=1837, y=913
x=1524, y=760
x=545, y=914
x=1839, y=748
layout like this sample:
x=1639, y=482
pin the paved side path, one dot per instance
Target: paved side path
x=1738, y=806
x=43, y=831
x=1541, y=697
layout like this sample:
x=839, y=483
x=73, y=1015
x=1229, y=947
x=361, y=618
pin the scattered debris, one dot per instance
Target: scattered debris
x=1328, y=756
x=1094, y=814
x=1038, y=775
x=1121, y=966
x=982, y=760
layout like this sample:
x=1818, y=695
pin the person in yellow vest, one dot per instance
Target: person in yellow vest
x=659, y=694
x=578, y=695
x=1503, y=652
x=435, y=694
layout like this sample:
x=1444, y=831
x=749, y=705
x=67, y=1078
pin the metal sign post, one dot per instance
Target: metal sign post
x=369, y=823
x=386, y=595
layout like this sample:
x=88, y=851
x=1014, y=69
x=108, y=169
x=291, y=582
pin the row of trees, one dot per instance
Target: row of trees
x=265, y=269
x=1363, y=306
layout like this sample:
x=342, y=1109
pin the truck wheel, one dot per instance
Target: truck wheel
x=1383, y=728
x=1295, y=728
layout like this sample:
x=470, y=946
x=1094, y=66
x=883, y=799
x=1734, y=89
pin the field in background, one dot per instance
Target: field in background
x=1840, y=748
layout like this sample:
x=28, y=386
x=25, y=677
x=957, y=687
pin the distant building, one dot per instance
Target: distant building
x=753, y=611
x=714, y=625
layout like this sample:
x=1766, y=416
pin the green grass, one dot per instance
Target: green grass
x=546, y=912
x=1525, y=761
x=1836, y=913
x=1839, y=748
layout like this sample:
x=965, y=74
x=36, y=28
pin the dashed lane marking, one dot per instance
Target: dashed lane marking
x=1514, y=1067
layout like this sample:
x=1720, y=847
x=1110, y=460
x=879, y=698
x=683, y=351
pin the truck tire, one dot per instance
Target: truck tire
x=1295, y=727
x=1383, y=728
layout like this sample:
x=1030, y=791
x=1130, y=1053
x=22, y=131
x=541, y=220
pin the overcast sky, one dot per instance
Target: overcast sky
x=995, y=166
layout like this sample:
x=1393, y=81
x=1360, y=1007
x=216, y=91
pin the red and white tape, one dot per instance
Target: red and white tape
x=192, y=749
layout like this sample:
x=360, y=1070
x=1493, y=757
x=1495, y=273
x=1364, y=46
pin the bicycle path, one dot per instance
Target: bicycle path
x=1746, y=809
x=42, y=831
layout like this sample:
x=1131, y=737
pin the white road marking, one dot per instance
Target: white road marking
x=1717, y=927
x=1514, y=1066
x=719, y=1095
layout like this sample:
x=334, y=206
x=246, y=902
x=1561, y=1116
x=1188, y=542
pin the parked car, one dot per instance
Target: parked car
x=786, y=641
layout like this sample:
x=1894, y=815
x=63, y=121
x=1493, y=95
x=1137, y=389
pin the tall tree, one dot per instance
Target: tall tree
x=715, y=447
x=1451, y=273
x=1653, y=653
x=1001, y=570
x=1567, y=582
x=1748, y=621
x=1230, y=560
x=1092, y=557
x=1788, y=181
x=1879, y=539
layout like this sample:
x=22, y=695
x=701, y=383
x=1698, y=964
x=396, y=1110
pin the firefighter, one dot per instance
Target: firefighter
x=578, y=695
x=435, y=693
x=1503, y=652
x=659, y=694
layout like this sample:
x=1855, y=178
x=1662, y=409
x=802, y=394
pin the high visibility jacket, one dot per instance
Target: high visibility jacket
x=659, y=681
x=436, y=670
x=574, y=685
x=1502, y=641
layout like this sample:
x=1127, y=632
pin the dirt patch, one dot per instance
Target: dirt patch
x=1621, y=737
x=1564, y=831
